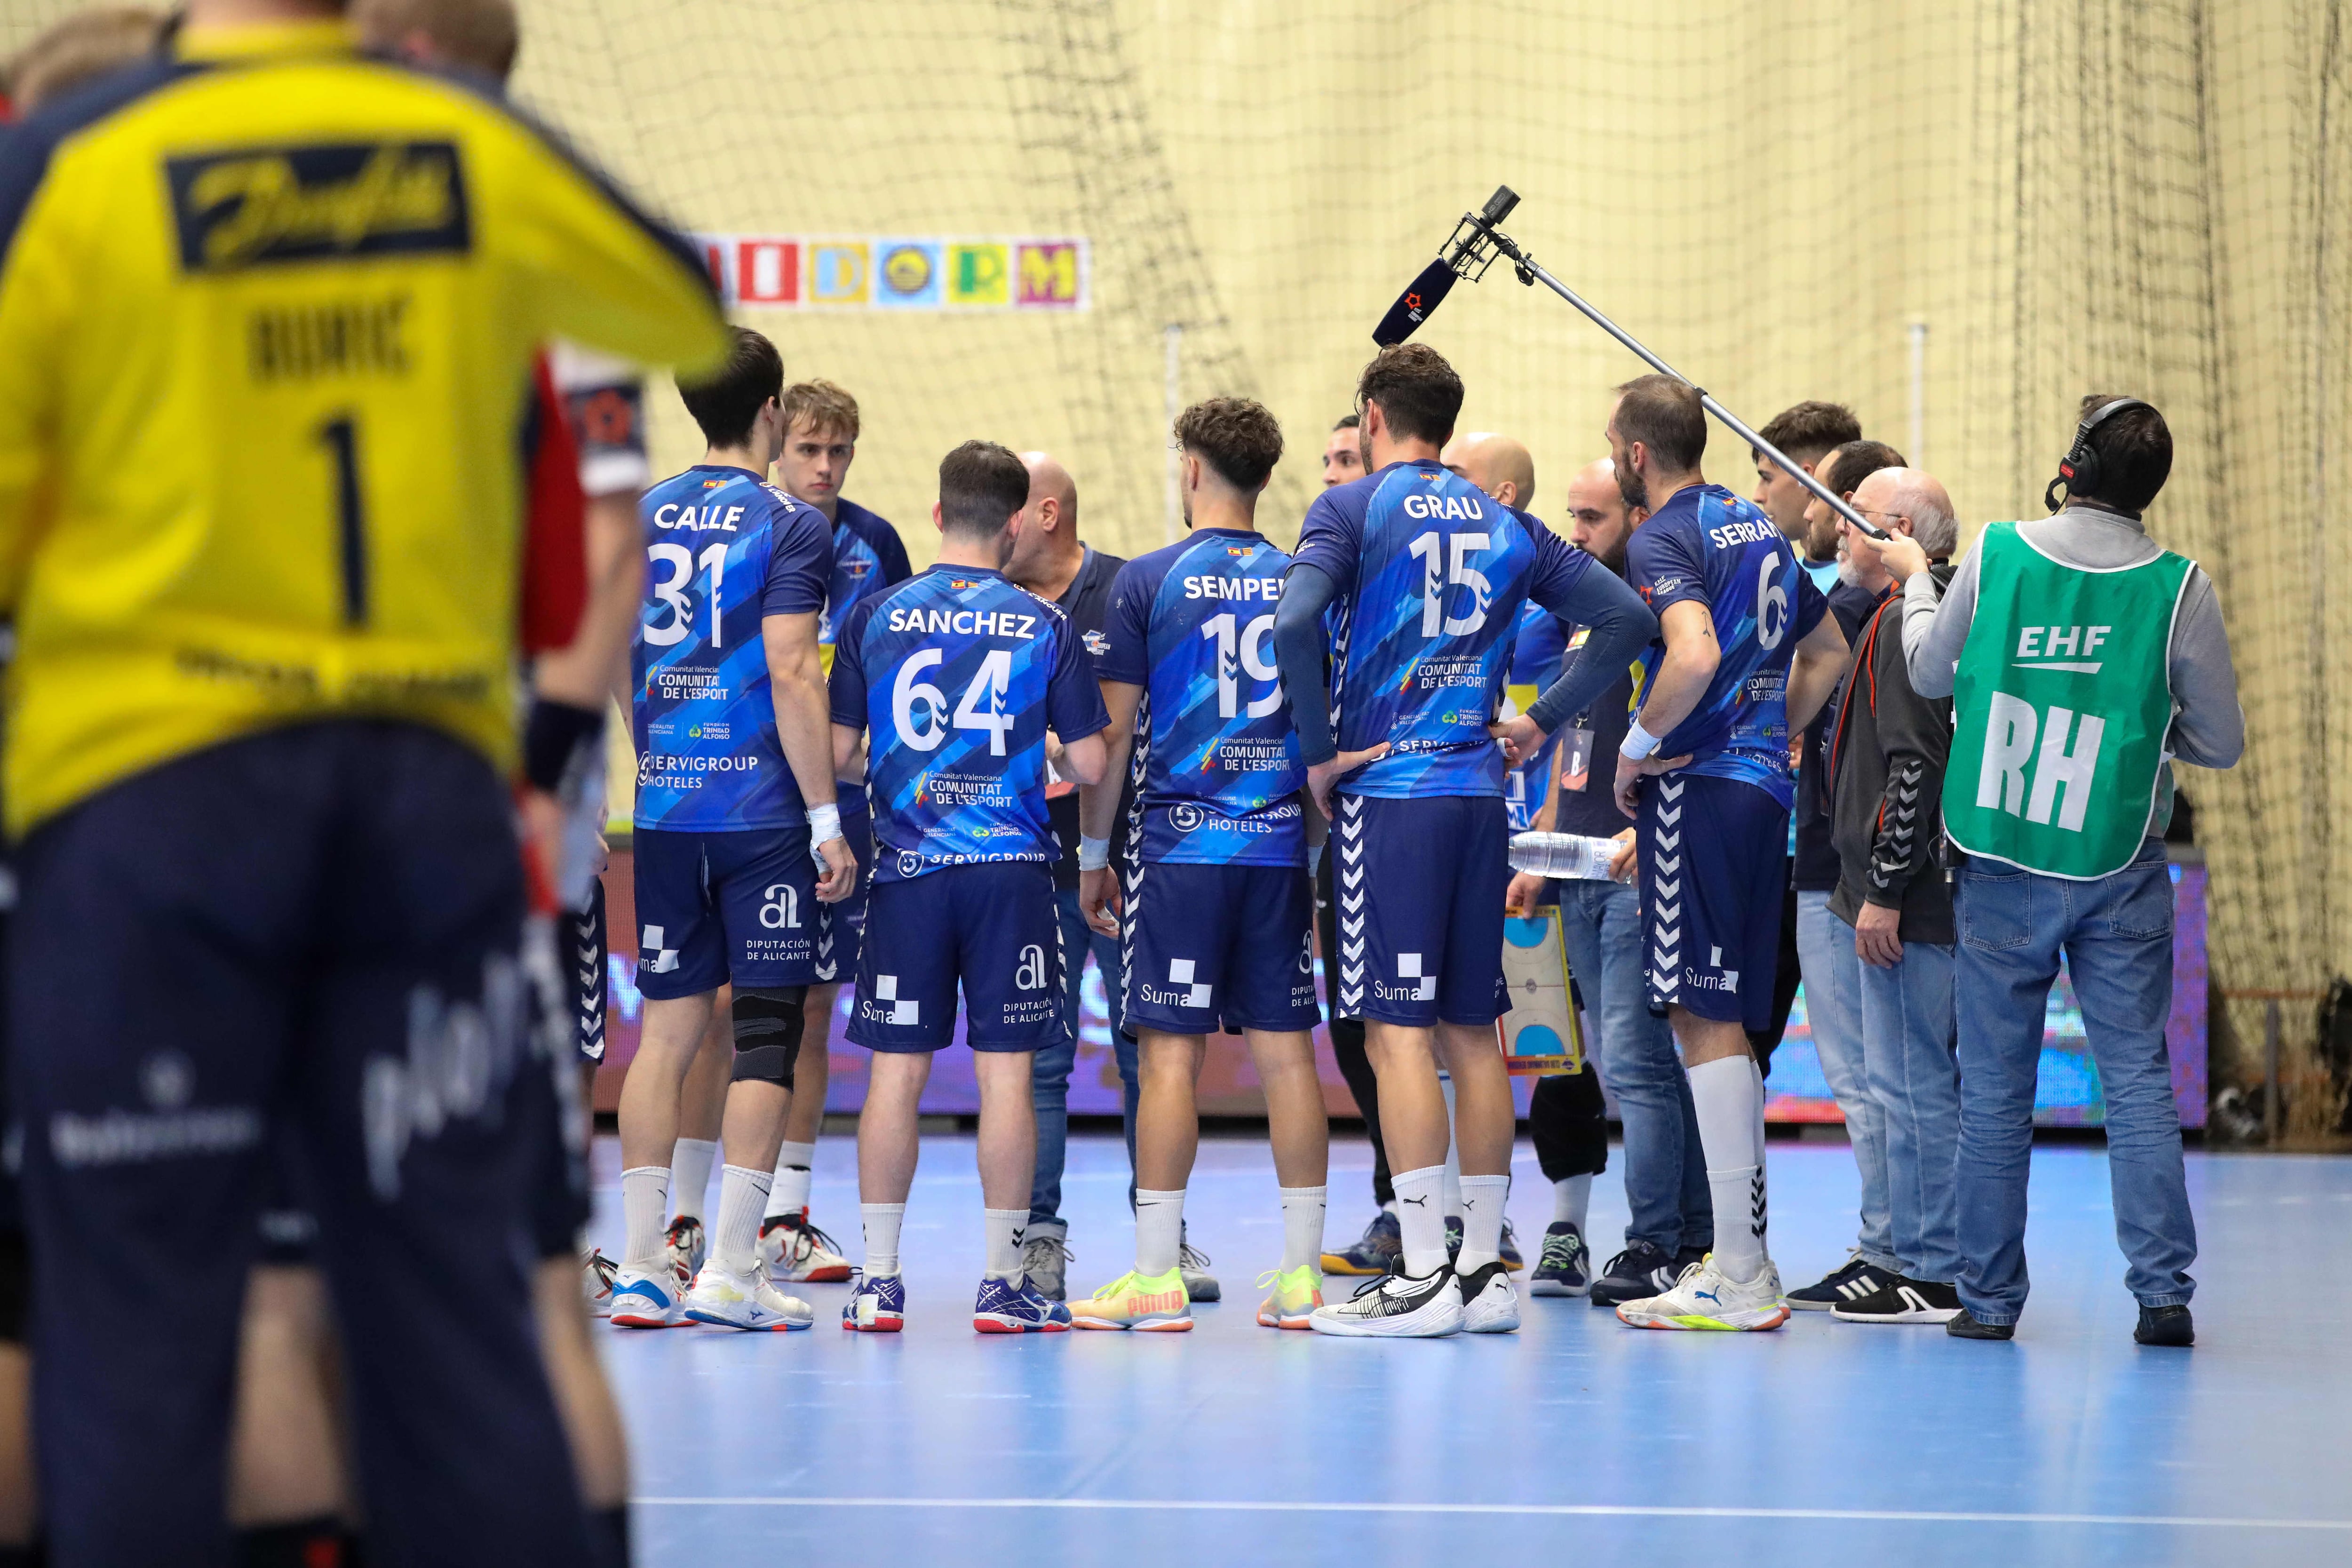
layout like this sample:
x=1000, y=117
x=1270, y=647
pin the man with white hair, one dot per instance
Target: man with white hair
x=1887, y=752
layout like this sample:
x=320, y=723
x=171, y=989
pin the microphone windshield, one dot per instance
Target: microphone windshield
x=1413, y=306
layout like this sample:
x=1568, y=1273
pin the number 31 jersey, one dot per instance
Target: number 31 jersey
x=1707, y=546
x=1431, y=573
x=1216, y=759
x=723, y=552
x=955, y=675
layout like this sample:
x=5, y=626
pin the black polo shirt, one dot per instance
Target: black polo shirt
x=1086, y=602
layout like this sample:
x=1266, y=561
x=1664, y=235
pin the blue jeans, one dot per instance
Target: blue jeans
x=1907, y=1044
x=1833, y=1009
x=1666, y=1171
x=2117, y=935
x=1049, y=1080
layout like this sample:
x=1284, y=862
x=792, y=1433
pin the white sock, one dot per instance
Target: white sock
x=789, y=1192
x=1302, y=1225
x=1453, y=1151
x=1389, y=1206
x=1571, y=1197
x=1728, y=1094
x=645, y=1210
x=1159, y=1230
x=689, y=1174
x=1421, y=1224
x=1482, y=1201
x=743, y=1193
x=1005, y=1227
x=882, y=1222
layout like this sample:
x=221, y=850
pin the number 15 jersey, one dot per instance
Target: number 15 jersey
x=1432, y=572
x=955, y=675
x=1217, y=760
x=723, y=552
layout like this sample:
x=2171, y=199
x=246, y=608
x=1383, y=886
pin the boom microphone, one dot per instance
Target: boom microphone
x=1476, y=241
x=1467, y=253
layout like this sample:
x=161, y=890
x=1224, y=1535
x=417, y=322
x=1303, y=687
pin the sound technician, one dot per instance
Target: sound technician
x=2080, y=659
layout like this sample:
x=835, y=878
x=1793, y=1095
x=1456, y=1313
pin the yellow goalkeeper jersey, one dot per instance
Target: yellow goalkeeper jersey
x=268, y=314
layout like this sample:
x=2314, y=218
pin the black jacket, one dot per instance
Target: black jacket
x=1887, y=752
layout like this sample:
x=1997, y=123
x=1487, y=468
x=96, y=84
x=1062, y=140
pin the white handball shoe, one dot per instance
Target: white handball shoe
x=1705, y=1298
x=646, y=1297
x=1396, y=1306
x=1490, y=1303
x=596, y=1275
x=726, y=1300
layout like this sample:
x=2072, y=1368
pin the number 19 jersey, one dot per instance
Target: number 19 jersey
x=1216, y=759
x=1431, y=573
x=955, y=676
x=723, y=552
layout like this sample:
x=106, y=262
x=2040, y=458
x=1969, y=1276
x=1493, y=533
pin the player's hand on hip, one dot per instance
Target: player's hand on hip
x=1323, y=775
x=1520, y=901
x=1630, y=775
x=1621, y=868
x=839, y=877
x=1099, y=900
x=1876, y=938
x=1521, y=739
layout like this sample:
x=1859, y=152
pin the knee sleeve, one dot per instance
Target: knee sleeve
x=768, y=1028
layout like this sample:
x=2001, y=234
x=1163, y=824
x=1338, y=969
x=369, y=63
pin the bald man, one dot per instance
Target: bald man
x=1886, y=784
x=1053, y=563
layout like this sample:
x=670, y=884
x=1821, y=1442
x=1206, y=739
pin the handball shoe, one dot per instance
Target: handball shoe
x=1296, y=1296
x=798, y=1253
x=1396, y=1306
x=726, y=1300
x=1013, y=1307
x=596, y=1272
x=688, y=1250
x=1705, y=1298
x=1379, y=1247
x=1512, y=1257
x=1850, y=1281
x=1155, y=1304
x=646, y=1299
x=1490, y=1305
x=1199, y=1285
x=878, y=1306
x=1564, y=1267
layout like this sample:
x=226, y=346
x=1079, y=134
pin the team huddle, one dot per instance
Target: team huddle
x=845, y=769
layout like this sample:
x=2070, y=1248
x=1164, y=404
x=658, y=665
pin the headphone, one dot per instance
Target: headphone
x=2079, y=469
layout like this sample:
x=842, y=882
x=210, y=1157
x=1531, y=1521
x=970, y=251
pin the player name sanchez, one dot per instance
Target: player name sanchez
x=964, y=623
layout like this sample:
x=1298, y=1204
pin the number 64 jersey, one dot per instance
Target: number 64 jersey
x=723, y=552
x=955, y=675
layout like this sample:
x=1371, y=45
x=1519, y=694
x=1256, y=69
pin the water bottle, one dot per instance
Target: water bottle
x=1570, y=855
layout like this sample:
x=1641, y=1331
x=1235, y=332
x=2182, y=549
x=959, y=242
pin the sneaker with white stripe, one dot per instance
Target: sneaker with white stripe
x=1846, y=1284
x=1902, y=1299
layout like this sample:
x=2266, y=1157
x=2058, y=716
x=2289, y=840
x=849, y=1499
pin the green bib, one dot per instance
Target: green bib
x=2060, y=707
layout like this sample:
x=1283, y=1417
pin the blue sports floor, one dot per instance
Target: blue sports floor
x=1577, y=1440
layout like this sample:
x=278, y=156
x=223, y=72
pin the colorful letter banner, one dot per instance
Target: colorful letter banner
x=787, y=272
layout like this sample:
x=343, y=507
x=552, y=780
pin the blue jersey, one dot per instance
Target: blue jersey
x=868, y=557
x=1431, y=573
x=723, y=551
x=1216, y=762
x=955, y=676
x=1536, y=653
x=1707, y=546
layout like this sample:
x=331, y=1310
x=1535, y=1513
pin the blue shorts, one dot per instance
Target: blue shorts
x=1202, y=943
x=996, y=928
x=1714, y=864
x=1420, y=885
x=715, y=909
x=841, y=928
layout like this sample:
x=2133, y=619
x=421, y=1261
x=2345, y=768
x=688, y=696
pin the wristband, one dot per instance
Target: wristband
x=1094, y=854
x=553, y=735
x=824, y=824
x=1639, y=743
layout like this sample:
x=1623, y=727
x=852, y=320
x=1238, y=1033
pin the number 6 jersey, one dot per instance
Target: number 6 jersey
x=723, y=552
x=1216, y=759
x=955, y=675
